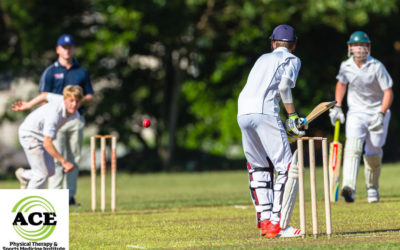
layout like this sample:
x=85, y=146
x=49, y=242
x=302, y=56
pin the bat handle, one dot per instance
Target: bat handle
x=303, y=122
x=337, y=131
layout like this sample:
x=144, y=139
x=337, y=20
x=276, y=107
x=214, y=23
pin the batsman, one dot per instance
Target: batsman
x=369, y=97
x=265, y=142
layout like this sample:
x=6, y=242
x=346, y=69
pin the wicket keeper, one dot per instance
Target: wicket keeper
x=369, y=97
x=39, y=129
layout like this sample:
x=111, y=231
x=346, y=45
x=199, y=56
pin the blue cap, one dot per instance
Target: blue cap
x=65, y=39
x=283, y=32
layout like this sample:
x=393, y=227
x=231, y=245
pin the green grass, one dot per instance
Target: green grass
x=214, y=210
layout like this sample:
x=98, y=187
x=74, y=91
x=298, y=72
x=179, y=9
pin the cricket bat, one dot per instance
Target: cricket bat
x=335, y=159
x=317, y=111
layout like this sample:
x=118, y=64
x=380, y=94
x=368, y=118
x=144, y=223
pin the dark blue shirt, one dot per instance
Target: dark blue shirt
x=56, y=77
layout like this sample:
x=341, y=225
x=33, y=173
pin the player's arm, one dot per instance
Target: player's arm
x=387, y=100
x=340, y=91
x=293, y=121
x=86, y=101
x=87, y=91
x=286, y=95
x=336, y=113
x=21, y=106
x=49, y=146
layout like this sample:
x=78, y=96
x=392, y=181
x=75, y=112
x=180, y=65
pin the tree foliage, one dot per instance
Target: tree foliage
x=183, y=63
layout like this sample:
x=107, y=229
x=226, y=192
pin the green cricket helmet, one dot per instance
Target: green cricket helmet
x=359, y=37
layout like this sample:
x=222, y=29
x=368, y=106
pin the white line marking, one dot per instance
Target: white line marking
x=240, y=207
x=135, y=246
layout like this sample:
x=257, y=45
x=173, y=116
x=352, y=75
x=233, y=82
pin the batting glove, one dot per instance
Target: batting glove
x=336, y=113
x=376, y=122
x=292, y=124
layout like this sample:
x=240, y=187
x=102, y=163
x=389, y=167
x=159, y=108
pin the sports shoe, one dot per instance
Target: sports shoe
x=373, y=195
x=348, y=194
x=72, y=202
x=22, y=181
x=263, y=226
x=272, y=230
x=289, y=232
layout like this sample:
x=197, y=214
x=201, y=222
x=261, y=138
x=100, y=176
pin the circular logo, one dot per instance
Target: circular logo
x=34, y=218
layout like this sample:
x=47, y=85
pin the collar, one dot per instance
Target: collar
x=279, y=49
x=369, y=60
x=75, y=63
x=64, y=110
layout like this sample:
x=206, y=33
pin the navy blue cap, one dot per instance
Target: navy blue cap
x=65, y=39
x=283, y=32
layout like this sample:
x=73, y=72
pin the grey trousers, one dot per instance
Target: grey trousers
x=68, y=143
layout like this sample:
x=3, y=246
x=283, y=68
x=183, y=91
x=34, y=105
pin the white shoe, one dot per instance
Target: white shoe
x=373, y=195
x=289, y=232
x=23, y=182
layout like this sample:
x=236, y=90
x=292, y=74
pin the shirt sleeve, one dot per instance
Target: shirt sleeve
x=87, y=85
x=383, y=77
x=291, y=70
x=341, y=77
x=46, y=81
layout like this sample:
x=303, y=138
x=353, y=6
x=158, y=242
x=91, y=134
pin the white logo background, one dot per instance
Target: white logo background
x=58, y=198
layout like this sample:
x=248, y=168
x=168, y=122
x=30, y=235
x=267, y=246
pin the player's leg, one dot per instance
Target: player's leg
x=275, y=141
x=260, y=175
x=290, y=192
x=373, y=159
x=351, y=165
x=355, y=134
x=41, y=163
x=56, y=181
x=74, y=144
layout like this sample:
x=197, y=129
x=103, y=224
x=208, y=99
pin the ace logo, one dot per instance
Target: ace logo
x=35, y=218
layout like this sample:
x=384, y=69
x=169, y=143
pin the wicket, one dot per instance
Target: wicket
x=103, y=170
x=324, y=142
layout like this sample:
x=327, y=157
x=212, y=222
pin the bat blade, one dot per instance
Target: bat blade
x=317, y=111
x=335, y=159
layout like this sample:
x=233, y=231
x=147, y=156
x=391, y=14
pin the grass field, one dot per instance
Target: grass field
x=214, y=210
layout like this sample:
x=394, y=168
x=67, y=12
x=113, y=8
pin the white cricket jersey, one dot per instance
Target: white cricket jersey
x=261, y=94
x=47, y=119
x=365, y=84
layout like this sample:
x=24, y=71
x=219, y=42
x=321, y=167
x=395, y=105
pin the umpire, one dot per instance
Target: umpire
x=67, y=71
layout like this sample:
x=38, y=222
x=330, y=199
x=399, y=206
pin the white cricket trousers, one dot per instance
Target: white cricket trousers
x=357, y=127
x=265, y=136
x=266, y=145
x=42, y=164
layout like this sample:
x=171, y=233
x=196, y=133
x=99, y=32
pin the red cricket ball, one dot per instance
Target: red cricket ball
x=146, y=123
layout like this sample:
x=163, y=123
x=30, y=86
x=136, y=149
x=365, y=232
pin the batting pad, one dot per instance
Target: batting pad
x=351, y=162
x=372, y=171
x=290, y=192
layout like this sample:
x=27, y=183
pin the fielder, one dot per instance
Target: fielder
x=265, y=142
x=369, y=98
x=39, y=129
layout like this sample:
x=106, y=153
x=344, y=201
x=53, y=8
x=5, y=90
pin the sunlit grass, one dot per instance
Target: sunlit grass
x=214, y=210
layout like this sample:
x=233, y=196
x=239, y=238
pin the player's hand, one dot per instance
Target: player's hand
x=376, y=122
x=68, y=166
x=292, y=126
x=20, y=106
x=336, y=113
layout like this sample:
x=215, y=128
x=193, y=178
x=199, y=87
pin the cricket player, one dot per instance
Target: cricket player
x=39, y=129
x=66, y=70
x=369, y=97
x=264, y=137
